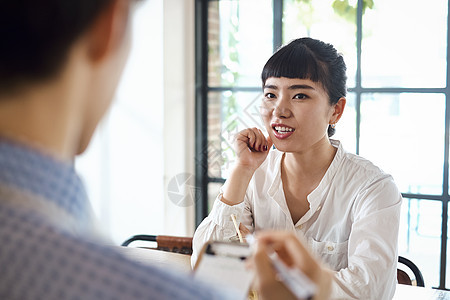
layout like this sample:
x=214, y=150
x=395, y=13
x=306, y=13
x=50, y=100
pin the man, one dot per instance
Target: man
x=60, y=62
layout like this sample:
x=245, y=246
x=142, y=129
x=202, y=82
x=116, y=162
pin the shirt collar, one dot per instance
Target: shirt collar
x=36, y=173
x=276, y=183
x=315, y=198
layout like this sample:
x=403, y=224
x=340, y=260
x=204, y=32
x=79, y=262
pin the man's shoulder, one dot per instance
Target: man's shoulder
x=41, y=261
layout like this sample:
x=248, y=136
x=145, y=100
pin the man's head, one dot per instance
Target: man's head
x=75, y=48
x=37, y=35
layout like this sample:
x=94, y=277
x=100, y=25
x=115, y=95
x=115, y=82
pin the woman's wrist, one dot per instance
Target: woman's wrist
x=236, y=185
x=244, y=170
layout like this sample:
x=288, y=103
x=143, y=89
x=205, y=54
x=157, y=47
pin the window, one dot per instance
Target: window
x=130, y=167
x=398, y=104
x=115, y=166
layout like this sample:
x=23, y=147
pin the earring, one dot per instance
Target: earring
x=333, y=125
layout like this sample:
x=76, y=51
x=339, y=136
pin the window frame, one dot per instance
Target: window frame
x=201, y=117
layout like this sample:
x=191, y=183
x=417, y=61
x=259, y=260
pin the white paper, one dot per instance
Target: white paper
x=227, y=272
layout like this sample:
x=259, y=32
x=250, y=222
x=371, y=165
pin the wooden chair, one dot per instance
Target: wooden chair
x=177, y=244
x=404, y=278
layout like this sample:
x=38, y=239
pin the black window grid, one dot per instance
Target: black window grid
x=201, y=120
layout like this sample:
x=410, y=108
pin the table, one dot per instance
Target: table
x=404, y=292
x=163, y=259
x=182, y=263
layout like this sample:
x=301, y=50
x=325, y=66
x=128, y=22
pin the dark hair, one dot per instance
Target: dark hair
x=36, y=36
x=307, y=58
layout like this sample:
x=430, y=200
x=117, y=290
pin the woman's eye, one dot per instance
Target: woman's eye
x=269, y=96
x=300, y=96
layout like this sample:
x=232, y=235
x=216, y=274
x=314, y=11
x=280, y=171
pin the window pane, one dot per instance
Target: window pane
x=404, y=135
x=239, y=41
x=228, y=113
x=346, y=127
x=326, y=21
x=126, y=197
x=420, y=236
x=404, y=44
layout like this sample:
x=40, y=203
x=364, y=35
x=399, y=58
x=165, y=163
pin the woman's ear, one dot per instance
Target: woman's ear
x=109, y=30
x=338, y=110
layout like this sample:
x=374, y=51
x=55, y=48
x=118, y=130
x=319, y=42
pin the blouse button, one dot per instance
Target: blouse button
x=300, y=227
x=330, y=248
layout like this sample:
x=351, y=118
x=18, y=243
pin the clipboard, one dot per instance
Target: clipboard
x=223, y=263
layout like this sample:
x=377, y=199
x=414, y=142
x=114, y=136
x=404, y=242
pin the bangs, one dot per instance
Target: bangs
x=294, y=62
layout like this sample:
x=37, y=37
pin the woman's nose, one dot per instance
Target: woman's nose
x=281, y=109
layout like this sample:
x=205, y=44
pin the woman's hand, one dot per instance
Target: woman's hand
x=295, y=255
x=251, y=148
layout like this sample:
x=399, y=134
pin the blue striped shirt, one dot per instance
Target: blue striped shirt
x=47, y=246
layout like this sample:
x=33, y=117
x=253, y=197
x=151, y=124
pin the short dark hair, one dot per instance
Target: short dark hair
x=308, y=58
x=36, y=36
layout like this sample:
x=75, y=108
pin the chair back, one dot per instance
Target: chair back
x=177, y=244
x=404, y=278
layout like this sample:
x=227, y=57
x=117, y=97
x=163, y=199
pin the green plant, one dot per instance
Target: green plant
x=348, y=11
x=231, y=72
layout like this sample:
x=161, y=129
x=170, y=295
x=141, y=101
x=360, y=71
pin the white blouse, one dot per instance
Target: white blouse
x=352, y=224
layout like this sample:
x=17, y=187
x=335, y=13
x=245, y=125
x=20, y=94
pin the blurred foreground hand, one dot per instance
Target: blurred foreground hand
x=295, y=255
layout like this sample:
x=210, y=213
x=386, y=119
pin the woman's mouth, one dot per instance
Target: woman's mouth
x=282, y=131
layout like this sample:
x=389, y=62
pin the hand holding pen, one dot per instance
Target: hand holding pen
x=279, y=274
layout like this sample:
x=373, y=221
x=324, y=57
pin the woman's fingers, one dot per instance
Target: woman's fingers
x=244, y=230
x=254, y=139
x=251, y=147
x=261, y=142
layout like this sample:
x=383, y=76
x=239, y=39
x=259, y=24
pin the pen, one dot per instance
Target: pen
x=233, y=218
x=294, y=279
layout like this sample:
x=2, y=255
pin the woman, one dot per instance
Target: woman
x=346, y=208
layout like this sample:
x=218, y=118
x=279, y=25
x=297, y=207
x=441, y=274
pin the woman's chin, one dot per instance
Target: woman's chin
x=282, y=147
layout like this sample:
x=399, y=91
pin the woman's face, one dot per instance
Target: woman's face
x=296, y=113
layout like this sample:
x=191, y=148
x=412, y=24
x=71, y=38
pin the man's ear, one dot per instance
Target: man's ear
x=338, y=110
x=108, y=30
